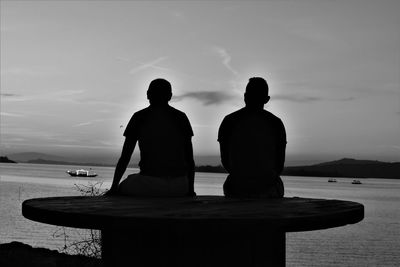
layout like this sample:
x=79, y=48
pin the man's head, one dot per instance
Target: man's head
x=159, y=91
x=256, y=94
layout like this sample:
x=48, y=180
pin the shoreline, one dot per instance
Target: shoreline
x=14, y=254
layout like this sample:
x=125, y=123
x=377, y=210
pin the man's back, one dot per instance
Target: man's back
x=254, y=139
x=161, y=133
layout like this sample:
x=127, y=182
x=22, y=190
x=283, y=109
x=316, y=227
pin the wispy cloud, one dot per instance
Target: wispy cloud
x=8, y=95
x=146, y=65
x=33, y=71
x=226, y=58
x=83, y=124
x=65, y=96
x=6, y=114
x=87, y=123
x=122, y=59
x=178, y=15
x=94, y=121
x=32, y=134
x=350, y=98
x=83, y=146
x=64, y=93
x=54, y=95
x=307, y=99
x=207, y=97
x=218, y=97
x=295, y=98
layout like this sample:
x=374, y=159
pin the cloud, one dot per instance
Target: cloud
x=94, y=121
x=54, y=95
x=8, y=95
x=178, y=15
x=294, y=98
x=307, y=99
x=207, y=97
x=218, y=97
x=34, y=71
x=6, y=114
x=350, y=98
x=123, y=59
x=226, y=58
x=83, y=124
x=146, y=65
x=87, y=123
x=66, y=96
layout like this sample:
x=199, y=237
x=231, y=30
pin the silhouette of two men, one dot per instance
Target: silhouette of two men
x=252, y=144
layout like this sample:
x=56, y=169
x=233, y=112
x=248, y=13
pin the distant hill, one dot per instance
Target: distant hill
x=348, y=168
x=42, y=158
x=26, y=156
x=44, y=161
x=6, y=160
x=348, y=161
x=340, y=168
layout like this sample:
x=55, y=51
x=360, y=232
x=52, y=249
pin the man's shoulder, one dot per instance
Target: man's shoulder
x=244, y=114
x=141, y=112
x=177, y=112
x=271, y=116
x=168, y=111
x=235, y=114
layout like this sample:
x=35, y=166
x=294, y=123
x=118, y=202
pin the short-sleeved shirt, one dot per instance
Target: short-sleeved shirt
x=162, y=133
x=255, y=140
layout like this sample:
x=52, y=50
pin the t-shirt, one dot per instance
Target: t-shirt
x=255, y=140
x=162, y=133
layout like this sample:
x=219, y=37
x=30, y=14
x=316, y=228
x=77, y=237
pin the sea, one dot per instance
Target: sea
x=375, y=241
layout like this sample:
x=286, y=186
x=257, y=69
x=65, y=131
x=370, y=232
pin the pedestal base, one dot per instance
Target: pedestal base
x=169, y=246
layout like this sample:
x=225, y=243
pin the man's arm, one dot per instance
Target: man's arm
x=224, y=151
x=281, y=158
x=127, y=150
x=281, y=152
x=223, y=144
x=190, y=164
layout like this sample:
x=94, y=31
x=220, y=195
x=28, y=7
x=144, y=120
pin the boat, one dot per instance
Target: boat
x=81, y=173
x=356, y=182
x=332, y=180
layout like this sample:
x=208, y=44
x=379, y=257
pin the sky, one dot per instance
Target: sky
x=73, y=73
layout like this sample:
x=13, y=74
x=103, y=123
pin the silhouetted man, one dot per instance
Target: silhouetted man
x=252, y=144
x=166, y=154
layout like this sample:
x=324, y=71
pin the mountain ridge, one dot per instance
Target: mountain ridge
x=348, y=168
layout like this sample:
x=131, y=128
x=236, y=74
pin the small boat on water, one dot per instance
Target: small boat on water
x=356, y=182
x=81, y=173
x=332, y=180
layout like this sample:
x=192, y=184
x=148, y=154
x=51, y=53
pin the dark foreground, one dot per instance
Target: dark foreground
x=16, y=254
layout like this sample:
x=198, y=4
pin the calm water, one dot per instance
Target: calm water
x=373, y=242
